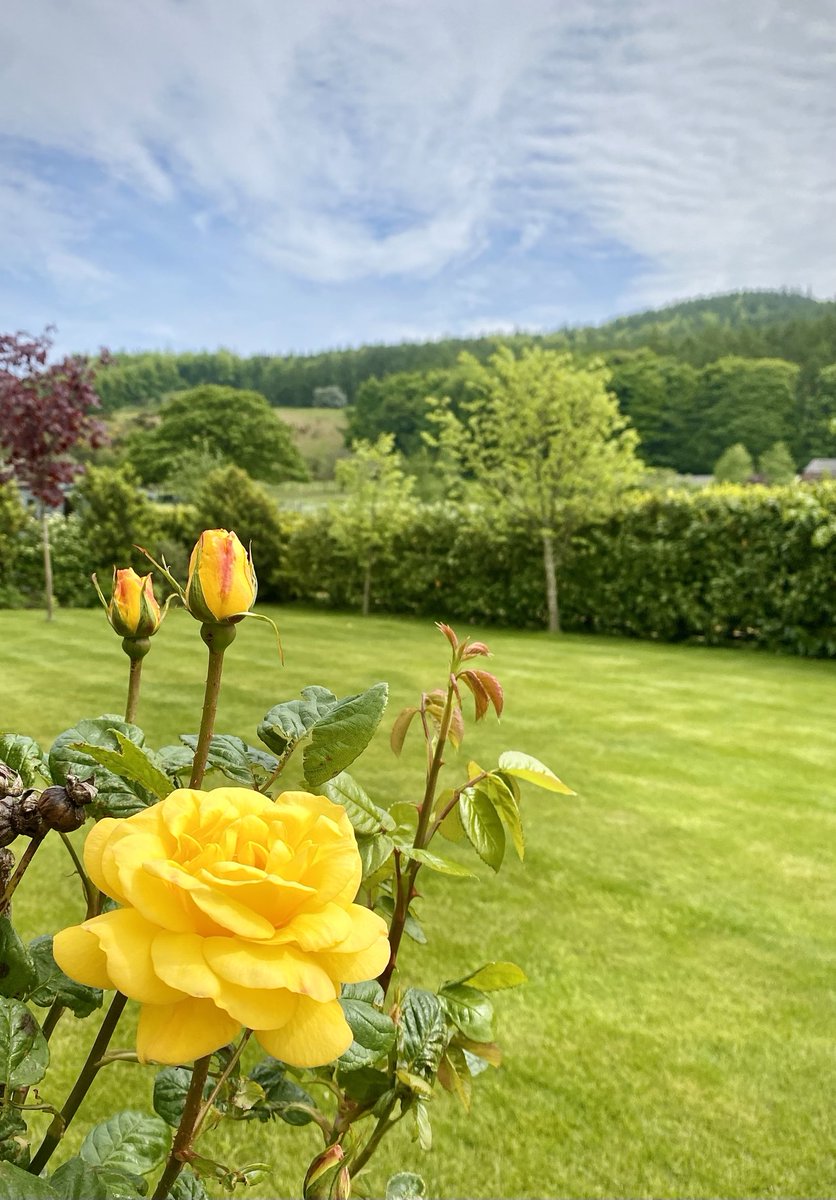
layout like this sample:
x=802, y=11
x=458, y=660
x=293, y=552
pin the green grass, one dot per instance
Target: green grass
x=676, y=920
x=319, y=436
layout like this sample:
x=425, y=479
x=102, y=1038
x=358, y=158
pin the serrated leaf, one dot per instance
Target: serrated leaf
x=24, y=1054
x=370, y=992
x=454, y=1075
x=17, y=1184
x=171, y=1086
x=116, y=797
x=77, y=1180
x=365, y=1085
x=451, y=827
x=282, y=1095
x=374, y=1034
x=469, y=1010
x=340, y=736
x=422, y=1033
x=134, y=1142
x=187, y=1186
x=365, y=816
x=444, y=866
x=495, y=976
x=523, y=766
x=405, y=1186
x=175, y=760
x=288, y=723
x=374, y=852
x=507, y=807
x=53, y=984
x=482, y=826
x=400, y=729
x=24, y=755
x=130, y=762
x=234, y=758
x=14, y=1143
x=17, y=971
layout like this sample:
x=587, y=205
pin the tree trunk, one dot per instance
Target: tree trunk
x=551, y=583
x=47, y=562
x=367, y=589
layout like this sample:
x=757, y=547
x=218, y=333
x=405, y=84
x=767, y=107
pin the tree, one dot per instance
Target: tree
x=238, y=427
x=734, y=465
x=776, y=465
x=545, y=444
x=397, y=404
x=115, y=517
x=44, y=415
x=656, y=394
x=230, y=499
x=378, y=500
x=752, y=401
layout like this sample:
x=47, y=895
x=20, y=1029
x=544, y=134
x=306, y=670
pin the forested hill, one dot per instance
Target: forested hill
x=765, y=324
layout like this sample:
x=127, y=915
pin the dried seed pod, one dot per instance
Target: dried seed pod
x=59, y=811
x=26, y=816
x=81, y=791
x=10, y=782
x=7, y=865
x=8, y=830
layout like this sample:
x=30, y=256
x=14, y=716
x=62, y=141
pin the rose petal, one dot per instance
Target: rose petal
x=126, y=938
x=79, y=955
x=265, y=967
x=366, y=928
x=358, y=966
x=178, y=960
x=317, y=930
x=316, y=1035
x=180, y=1033
x=257, y=1007
x=94, y=848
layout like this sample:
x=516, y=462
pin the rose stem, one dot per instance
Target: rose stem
x=134, y=681
x=11, y=886
x=92, y=1065
x=185, y=1130
x=407, y=880
x=217, y=638
x=91, y=894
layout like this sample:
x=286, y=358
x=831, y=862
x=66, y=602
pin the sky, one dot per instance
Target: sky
x=278, y=175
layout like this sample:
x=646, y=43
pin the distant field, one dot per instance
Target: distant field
x=318, y=434
x=677, y=920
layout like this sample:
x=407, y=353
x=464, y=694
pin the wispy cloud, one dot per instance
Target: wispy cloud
x=447, y=164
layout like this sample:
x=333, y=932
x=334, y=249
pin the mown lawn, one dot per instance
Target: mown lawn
x=677, y=920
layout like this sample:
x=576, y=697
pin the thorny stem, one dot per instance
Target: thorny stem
x=91, y=894
x=185, y=1130
x=383, y=1125
x=26, y=858
x=52, y=1018
x=92, y=1064
x=406, y=882
x=222, y=1078
x=217, y=638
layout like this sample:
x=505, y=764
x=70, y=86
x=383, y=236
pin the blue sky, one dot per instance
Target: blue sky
x=272, y=176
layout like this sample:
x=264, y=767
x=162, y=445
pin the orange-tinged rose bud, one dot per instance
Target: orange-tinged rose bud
x=133, y=610
x=236, y=910
x=222, y=583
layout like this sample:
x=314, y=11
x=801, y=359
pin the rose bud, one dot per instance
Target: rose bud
x=133, y=610
x=222, y=583
x=10, y=782
x=59, y=811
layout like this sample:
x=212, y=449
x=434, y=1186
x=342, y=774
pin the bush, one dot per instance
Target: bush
x=229, y=499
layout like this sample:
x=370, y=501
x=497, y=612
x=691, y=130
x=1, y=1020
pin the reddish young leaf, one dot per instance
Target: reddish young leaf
x=475, y=650
x=457, y=728
x=448, y=633
x=480, y=693
x=494, y=689
x=400, y=729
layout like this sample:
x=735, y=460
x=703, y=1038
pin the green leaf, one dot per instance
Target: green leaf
x=134, y=1142
x=17, y=971
x=451, y=827
x=116, y=797
x=369, y=991
x=16, y=1184
x=374, y=1034
x=412, y=926
x=494, y=976
x=523, y=766
x=171, y=1086
x=454, y=1075
x=53, y=984
x=288, y=723
x=24, y=1054
x=175, y=760
x=130, y=762
x=282, y=1095
x=405, y=1186
x=469, y=1010
x=77, y=1180
x=423, y=1127
x=364, y=1085
x=422, y=1032
x=507, y=807
x=374, y=852
x=24, y=755
x=14, y=1143
x=444, y=866
x=365, y=816
x=340, y=736
x=483, y=827
x=187, y=1186
x=232, y=756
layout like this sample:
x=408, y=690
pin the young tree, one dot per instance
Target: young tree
x=734, y=465
x=44, y=414
x=378, y=500
x=544, y=443
x=776, y=464
x=230, y=499
x=235, y=426
x=115, y=517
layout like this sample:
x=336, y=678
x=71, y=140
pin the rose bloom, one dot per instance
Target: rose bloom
x=237, y=911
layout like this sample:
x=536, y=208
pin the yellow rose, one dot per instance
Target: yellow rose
x=222, y=582
x=237, y=911
x=133, y=610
